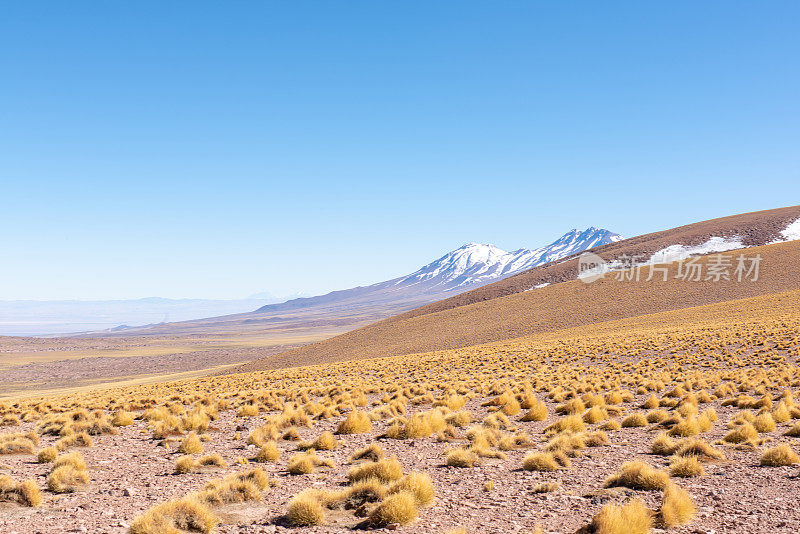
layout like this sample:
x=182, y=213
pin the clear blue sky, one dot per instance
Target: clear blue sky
x=207, y=149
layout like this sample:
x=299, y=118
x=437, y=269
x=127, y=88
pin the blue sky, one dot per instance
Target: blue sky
x=206, y=149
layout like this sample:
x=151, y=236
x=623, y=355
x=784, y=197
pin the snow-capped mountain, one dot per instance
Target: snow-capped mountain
x=465, y=268
x=475, y=263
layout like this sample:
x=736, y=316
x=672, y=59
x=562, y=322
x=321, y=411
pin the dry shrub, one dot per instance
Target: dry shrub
x=25, y=493
x=73, y=459
x=634, y=420
x=540, y=461
x=611, y=425
x=185, y=514
x=699, y=448
x=247, y=410
x=269, y=452
x=677, y=507
x=400, y=508
x=779, y=456
x=47, y=455
x=657, y=416
x=185, y=464
x=459, y=419
x=211, y=460
x=372, y=452
x=305, y=509
x=595, y=414
x=418, y=484
x=537, y=412
x=122, y=418
x=191, y=444
x=744, y=433
x=18, y=443
x=461, y=458
x=638, y=475
x=632, y=518
x=690, y=426
x=386, y=470
x=686, y=467
x=304, y=463
x=66, y=479
x=546, y=487
x=764, y=423
x=570, y=423
x=794, y=431
x=356, y=422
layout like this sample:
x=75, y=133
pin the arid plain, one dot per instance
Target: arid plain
x=617, y=407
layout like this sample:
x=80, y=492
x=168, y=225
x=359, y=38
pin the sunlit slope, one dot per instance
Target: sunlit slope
x=555, y=307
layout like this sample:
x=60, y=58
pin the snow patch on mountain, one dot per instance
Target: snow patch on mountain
x=790, y=233
x=682, y=252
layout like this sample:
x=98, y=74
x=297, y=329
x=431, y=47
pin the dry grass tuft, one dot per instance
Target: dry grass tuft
x=269, y=452
x=540, y=461
x=356, y=422
x=632, y=518
x=25, y=493
x=461, y=458
x=185, y=514
x=66, y=479
x=386, y=470
x=400, y=508
x=191, y=444
x=686, y=467
x=305, y=509
x=638, y=476
x=372, y=453
x=47, y=455
x=418, y=484
x=779, y=456
x=677, y=507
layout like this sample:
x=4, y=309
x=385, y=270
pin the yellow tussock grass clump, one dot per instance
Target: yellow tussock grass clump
x=744, y=433
x=540, y=461
x=356, y=422
x=175, y=516
x=677, y=507
x=73, y=459
x=686, y=467
x=372, y=452
x=418, y=484
x=461, y=458
x=66, y=479
x=185, y=464
x=305, y=509
x=634, y=420
x=386, y=470
x=638, y=475
x=570, y=423
x=122, y=418
x=25, y=493
x=537, y=412
x=191, y=444
x=400, y=508
x=47, y=455
x=269, y=452
x=631, y=518
x=779, y=456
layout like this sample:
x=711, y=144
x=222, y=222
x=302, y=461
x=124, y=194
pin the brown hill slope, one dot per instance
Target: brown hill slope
x=564, y=305
x=755, y=228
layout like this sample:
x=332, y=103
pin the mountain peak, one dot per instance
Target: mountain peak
x=482, y=263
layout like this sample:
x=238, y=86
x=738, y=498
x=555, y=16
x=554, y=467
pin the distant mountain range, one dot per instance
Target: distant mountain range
x=465, y=268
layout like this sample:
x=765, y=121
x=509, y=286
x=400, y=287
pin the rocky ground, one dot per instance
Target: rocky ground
x=130, y=473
